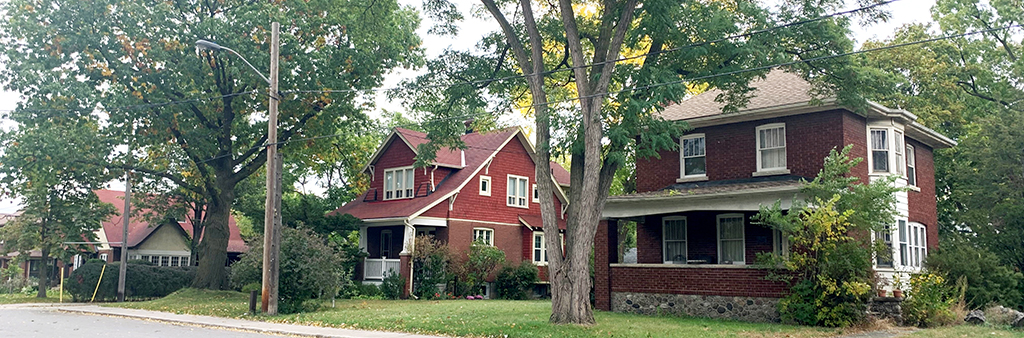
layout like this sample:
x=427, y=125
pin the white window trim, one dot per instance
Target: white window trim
x=899, y=146
x=409, y=186
x=490, y=186
x=683, y=177
x=490, y=239
x=779, y=239
x=535, y=195
x=686, y=238
x=911, y=157
x=917, y=248
x=757, y=149
x=526, y=204
x=543, y=249
x=718, y=236
x=891, y=129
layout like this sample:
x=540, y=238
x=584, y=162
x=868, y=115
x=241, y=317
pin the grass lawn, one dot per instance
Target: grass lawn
x=497, y=318
x=17, y=298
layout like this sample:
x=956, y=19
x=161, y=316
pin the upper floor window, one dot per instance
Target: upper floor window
x=771, y=147
x=673, y=239
x=398, y=183
x=692, y=157
x=731, y=239
x=485, y=185
x=898, y=150
x=517, y=191
x=536, y=194
x=879, y=150
x=911, y=166
x=483, y=235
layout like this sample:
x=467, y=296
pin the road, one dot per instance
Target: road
x=29, y=322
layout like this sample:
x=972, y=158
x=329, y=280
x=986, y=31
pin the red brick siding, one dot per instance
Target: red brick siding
x=732, y=282
x=508, y=238
x=922, y=204
x=605, y=252
x=732, y=154
x=855, y=133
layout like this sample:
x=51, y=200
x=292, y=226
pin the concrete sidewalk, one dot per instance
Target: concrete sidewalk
x=233, y=324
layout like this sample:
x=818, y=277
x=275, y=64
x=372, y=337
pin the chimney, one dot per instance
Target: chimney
x=469, y=126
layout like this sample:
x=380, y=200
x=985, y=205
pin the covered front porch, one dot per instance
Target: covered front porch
x=389, y=246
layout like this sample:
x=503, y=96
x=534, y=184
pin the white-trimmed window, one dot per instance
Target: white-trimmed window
x=731, y=239
x=771, y=147
x=913, y=244
x=516, y=193
x=385, y=243
x=483, y=235
x=485, y=185
x=103, y=257
x=692, y=159
x=398, y=183
x=897, y=147
x=780, y=243
x=879, y=150
x=911, y=166
x=673, y=239
x=160, y=260
x=883, y=260
x=540, y=248
x=536, y=194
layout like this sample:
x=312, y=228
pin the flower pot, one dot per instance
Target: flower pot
x=897, y=293
x=881, y=293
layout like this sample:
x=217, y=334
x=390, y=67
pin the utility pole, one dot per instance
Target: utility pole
x=126, y=216
x=270, y=231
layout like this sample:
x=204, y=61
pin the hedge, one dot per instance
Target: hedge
x=141, y=282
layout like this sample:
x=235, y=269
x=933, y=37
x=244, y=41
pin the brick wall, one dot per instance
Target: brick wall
x=734, y=282
x=508, y=238
x=855, y=133
x=732, y=150
x=922, y=204
x=605, y=252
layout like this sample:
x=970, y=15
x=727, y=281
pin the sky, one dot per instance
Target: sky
x=903, y=12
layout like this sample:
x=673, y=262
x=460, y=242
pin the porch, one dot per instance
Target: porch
x=388, y=249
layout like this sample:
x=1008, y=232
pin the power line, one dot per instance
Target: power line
x=132, y=107
x=549, y=72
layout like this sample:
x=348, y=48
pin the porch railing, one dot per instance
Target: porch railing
x=377, y=268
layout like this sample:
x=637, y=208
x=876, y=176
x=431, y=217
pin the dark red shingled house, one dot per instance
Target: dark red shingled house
x=486, y=193
x=696, y=246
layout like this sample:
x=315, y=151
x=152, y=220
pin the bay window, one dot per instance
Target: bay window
x=879, y=150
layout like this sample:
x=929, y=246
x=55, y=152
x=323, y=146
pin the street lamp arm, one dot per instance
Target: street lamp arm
x=258, y=72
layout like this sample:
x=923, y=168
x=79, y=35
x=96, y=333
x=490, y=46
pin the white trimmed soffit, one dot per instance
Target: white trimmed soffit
x=429, y=221
x=383, y=222
x=745, y=200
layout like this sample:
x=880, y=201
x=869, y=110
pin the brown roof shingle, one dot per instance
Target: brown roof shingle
x=778, y=88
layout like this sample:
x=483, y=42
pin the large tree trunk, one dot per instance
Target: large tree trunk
x=44, y=272
x=214, y=241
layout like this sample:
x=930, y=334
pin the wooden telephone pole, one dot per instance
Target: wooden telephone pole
x=126, y=216
x=271, y=229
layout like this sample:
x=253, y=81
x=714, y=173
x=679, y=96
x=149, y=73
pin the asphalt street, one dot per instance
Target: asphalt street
x=44, y=322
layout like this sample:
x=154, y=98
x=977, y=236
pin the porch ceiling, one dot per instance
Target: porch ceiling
x=739, y=195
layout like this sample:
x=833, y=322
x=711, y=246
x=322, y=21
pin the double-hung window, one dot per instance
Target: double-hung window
x=780, y=243
x=517, y=191
x=692, y=156
x=398, y=183
x=884, y=259
x=879, y=150
x=911, y=166
x=673, y=242
x=540, y=251
x=912, y=244
x=897, y=147
x=483, y=235
x=771, y=147
x=730, y=239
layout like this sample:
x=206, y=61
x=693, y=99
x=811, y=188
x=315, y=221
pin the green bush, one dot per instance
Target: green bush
x=929, y=302
x=362, y=291
x=430, y=263
x=392, y=285
x=516, y=282
x=310, y=267
x=141, y=281
x=483, y=261
x=988, y=281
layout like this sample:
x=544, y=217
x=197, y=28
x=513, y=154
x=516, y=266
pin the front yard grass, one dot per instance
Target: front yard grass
x=498, y=318
x=18, y=298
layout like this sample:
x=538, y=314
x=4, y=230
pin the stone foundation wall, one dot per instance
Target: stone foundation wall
x=887, y=308
x=751, y=309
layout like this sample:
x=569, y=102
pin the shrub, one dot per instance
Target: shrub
x=929, y=302
x=391, y=286
x=483, y=261
x=141, y=281
x=310, y=267
x=430, y=263
x=362, y=291
x=12, y=279
x=988, y=281
x=515, y=282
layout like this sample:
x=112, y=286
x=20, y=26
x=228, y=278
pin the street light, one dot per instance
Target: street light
x=271, y=219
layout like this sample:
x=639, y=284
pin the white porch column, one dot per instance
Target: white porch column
x=408, y=239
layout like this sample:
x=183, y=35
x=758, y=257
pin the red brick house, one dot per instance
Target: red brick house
x=696, y=246
x=486, y=192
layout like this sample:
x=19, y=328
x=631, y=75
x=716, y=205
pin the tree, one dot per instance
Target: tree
x=192, y=121
x=38, y=164
x=590, y=107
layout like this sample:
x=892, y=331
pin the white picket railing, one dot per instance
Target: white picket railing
x=377, y=268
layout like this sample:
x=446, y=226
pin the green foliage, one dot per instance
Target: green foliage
x=483, y=260
x=348, y=245
x=362, y=291
x=392, y=285
x=828, y=267
x=516, y=282
x=930, y=302
x=310, y=267
x=141, y=281
x=12, y=279
x=430, y=266
x=988, y=280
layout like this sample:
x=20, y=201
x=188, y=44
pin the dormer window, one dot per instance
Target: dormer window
x=398, y=183
x=692, y=156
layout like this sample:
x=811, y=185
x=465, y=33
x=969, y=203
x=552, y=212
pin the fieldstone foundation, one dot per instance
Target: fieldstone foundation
x=887, y=308
x=751, y=309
